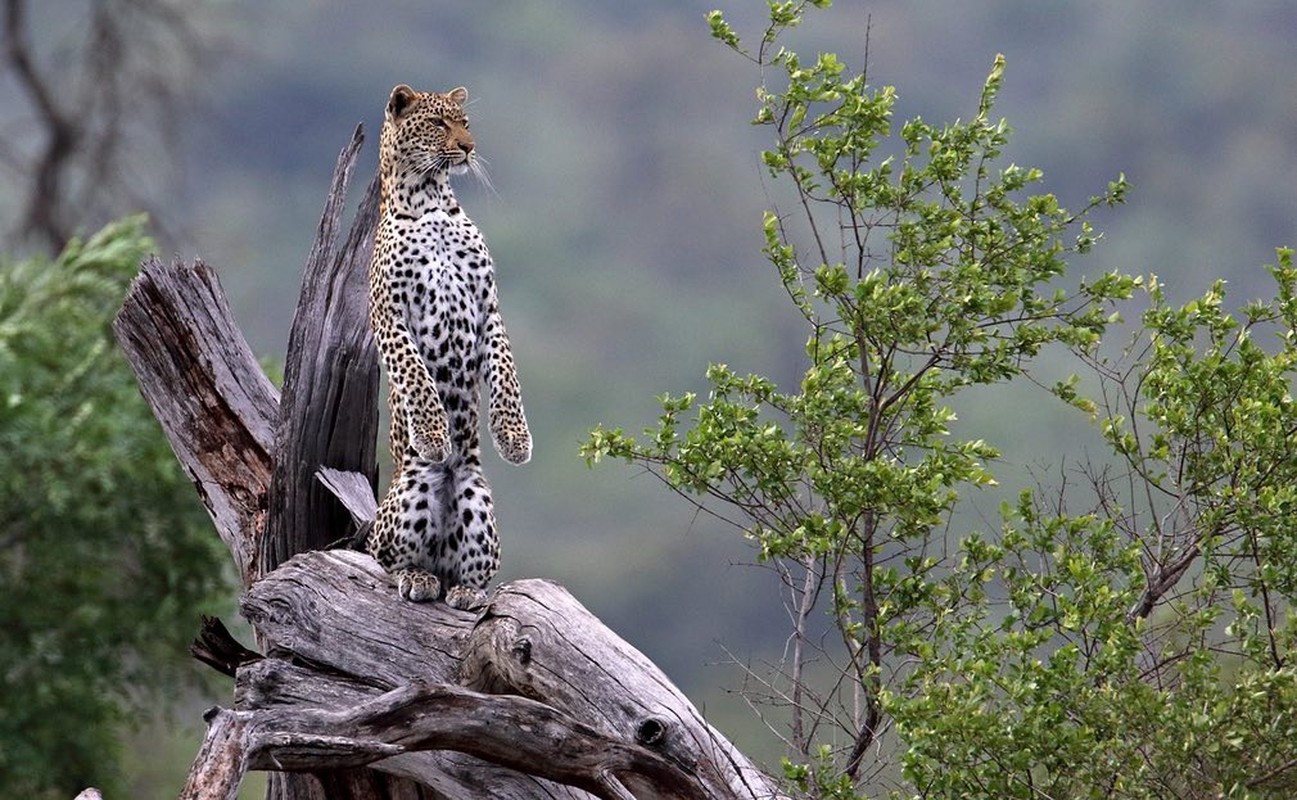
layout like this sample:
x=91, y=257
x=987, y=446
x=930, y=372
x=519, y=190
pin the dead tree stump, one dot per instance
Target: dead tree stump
x=372, y=696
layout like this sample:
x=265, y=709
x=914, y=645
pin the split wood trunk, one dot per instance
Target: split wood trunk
x=355, y=693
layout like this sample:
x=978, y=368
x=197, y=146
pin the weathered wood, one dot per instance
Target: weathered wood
x=401, y=642
x=217, y=648
x=534, y=639
x=354, y=491
x=337, y=611
x=328, y=415
x=221, y=761
x=273, y=683
x=216, y=405
x=507, y=730
x=221, y=413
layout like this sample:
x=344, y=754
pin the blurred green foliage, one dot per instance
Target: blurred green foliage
x=1138, y=648
x=106, y=556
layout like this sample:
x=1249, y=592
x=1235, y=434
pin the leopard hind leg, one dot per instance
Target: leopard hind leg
x=411, y=524
x=474, y=555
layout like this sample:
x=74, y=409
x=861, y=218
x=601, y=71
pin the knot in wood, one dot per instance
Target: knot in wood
x=651, y=732
x=521, y=651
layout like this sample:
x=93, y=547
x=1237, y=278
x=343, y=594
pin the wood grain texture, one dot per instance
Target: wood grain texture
x=354, y=491
x=536, y=640
x=328, y=415
x=215, y=403
x=276, y=682
x=574, y=686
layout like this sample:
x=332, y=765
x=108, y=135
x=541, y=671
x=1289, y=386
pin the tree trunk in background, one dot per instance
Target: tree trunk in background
x=363, y=696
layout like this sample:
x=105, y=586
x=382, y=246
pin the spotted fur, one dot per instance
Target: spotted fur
x=436, y=318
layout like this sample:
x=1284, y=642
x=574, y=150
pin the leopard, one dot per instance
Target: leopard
x=435, y=315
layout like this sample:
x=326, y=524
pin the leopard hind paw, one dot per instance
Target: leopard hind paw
x=417, y=585
x=465, y=598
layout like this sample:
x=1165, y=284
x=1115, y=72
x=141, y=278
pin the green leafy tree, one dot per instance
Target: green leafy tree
x=1138, y=648
x=106, y=556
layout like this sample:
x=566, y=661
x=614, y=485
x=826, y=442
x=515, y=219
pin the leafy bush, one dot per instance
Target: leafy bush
x=106, y=556
x=1139, y=648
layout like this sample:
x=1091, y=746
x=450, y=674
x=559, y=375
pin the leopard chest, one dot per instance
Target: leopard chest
x=440, y=274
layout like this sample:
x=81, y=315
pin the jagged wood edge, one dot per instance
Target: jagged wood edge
x=212, y=398
x=328, y=415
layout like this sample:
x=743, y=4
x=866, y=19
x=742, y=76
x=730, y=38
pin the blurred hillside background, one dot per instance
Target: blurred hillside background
x=625, y=223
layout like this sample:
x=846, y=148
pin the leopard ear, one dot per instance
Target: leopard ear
x=399, y=102
x=459, y=95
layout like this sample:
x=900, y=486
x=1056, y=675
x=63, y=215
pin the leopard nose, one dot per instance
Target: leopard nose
x=467, y=147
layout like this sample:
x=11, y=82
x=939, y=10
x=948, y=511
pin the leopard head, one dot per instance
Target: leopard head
x=425, y=132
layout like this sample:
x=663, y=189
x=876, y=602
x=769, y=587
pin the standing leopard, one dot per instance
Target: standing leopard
x=436, y=318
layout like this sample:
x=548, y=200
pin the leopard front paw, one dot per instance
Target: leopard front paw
x=513, y=443
x=430, y=439
x=465, y=598
x=417, y=585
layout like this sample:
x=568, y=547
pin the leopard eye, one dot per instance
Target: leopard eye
x=440, y=123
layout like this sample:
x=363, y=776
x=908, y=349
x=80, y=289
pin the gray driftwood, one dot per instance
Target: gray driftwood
x=359, y=694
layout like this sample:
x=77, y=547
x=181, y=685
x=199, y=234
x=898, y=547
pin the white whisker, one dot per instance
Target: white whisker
x=477, y=165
